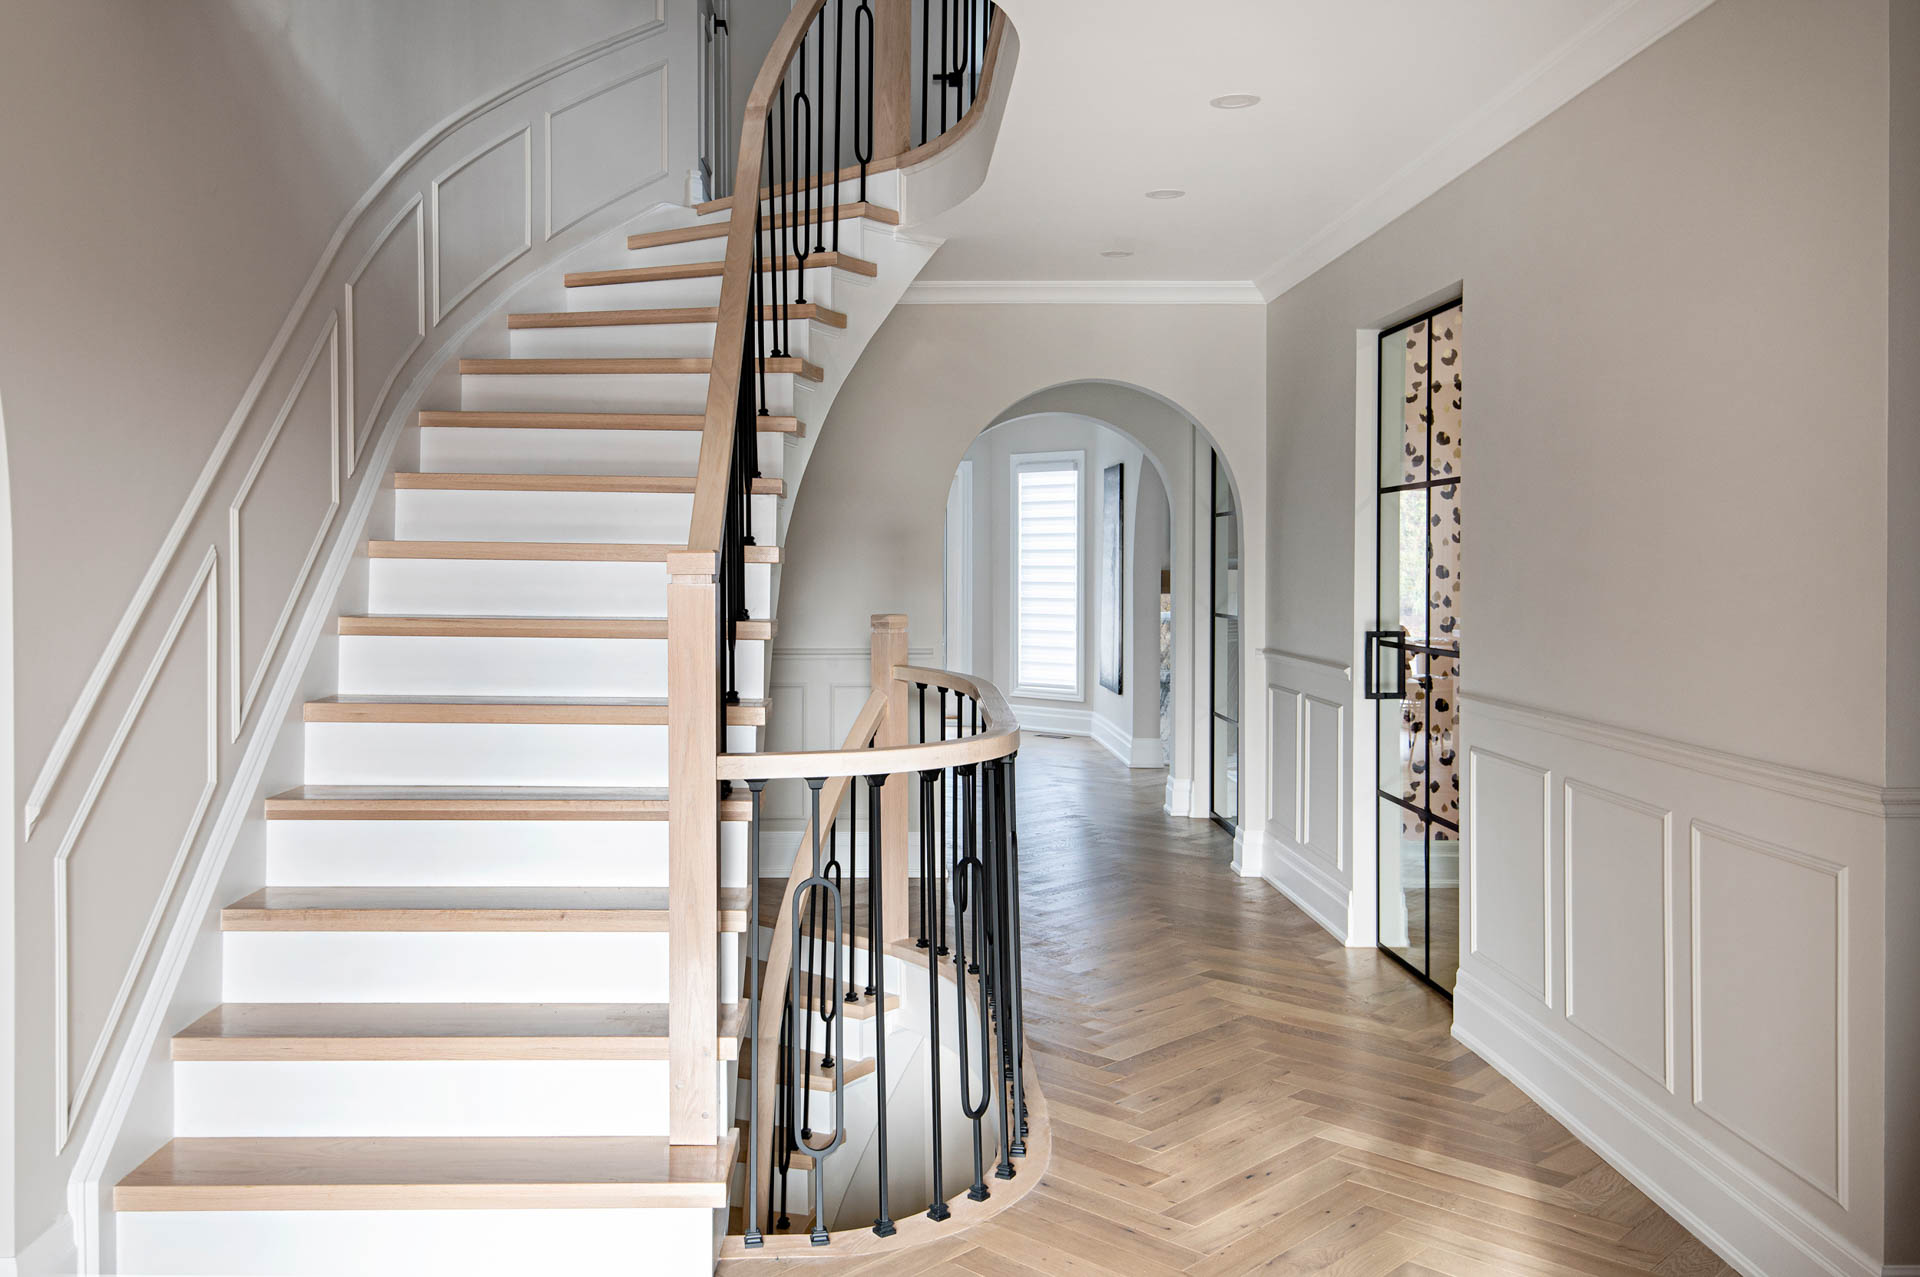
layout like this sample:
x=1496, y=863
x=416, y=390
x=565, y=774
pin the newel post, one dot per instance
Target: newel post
x=892, y=78
x=693, y=847
x=890, y=650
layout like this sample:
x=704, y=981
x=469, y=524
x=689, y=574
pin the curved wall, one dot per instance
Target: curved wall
x=252, y=230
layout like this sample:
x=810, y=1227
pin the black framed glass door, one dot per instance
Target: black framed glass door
x=1224, y=624
x=1412, y=655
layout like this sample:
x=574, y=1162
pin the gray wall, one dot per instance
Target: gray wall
x=175, y=172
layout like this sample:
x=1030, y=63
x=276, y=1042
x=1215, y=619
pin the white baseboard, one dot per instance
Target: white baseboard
x=51, y=1254
x=1048, y=718
x=1179, y=796
x=1750, y=1226
x=1319, y=894
x=1249, y=852
x=1134, y=751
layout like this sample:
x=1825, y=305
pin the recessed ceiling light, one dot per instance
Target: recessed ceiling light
x=1165, y=193
x=1116, y=252
x=1235, y=101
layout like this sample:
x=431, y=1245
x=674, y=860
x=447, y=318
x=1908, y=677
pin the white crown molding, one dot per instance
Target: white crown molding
x=1626, y=28
x=1081, y=292
x=1796, y=782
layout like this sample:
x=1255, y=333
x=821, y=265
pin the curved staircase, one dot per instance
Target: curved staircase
x=448, y=1038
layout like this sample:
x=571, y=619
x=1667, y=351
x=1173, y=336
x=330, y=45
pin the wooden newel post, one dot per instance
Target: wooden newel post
x=892, y=78
x=693, y=847
x=890, y=650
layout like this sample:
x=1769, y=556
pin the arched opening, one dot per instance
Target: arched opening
x=1171, y=541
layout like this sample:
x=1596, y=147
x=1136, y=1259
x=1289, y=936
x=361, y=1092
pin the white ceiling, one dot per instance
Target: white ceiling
x=1368, y=106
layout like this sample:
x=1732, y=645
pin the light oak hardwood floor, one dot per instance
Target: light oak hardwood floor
x=1233, y=1092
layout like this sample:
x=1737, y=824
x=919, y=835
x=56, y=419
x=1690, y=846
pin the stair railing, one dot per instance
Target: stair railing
x=838, y=82
x=965, y=931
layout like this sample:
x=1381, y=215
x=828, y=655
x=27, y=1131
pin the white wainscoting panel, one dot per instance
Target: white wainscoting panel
x=1619, y=929
x=482, y=211
x=1323, y=751
x=1770, y=927
x=1722, y=1026
x=1509, y=912
x=582, y=177
x=385, y=309
x=1284, y=807
x=1308, y=850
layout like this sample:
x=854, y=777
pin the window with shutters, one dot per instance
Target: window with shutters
x=1047, y=566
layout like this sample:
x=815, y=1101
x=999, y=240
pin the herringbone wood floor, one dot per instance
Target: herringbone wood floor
x=1233, y=1092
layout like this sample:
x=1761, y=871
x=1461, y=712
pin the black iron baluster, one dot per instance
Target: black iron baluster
x=946, y=56
x=776, y=161
x=967, y=886
x=945, y=845
x=819, y=886
x=752, y=1030
x=863, y=96
x=820, y=139
x=877, y=990
x=839, y=101
x=802, y=166
x=853, y=868
x=938, y=1210
x=783, y=1118
x=995, y=779
x=926, y=64
x=1016, y=1016
x=926, y=829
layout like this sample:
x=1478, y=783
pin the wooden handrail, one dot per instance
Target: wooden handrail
x=1001, y=738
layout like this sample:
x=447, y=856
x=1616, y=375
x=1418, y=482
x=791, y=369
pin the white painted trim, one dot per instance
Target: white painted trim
x=51, y=1254
x=1794, y=782
x=1321, y=662
x=1048, y=718
x=1134, y=751
x=1179, y=799
x=1081, y=292
x=1694, y=1181
x=88, y=699
x=1626, y=28
x=1363, y=745
x=1318, y=894
x=1249, y=852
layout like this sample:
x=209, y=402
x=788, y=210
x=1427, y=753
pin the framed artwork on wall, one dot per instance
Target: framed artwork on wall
x=1113, y=578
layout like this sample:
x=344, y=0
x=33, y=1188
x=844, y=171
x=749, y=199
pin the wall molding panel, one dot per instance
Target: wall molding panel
x=70, y=1094
x=602, y=97
x=402, y=180
x=413, y=275
x=1719, y=929
x=360, y=424
x=1313, y=837
x=246, y=688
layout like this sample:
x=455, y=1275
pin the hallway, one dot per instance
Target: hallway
x=1232, y=1092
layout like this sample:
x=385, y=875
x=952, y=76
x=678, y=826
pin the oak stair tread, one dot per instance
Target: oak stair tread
x=446, y=1172
x=604, y=711
x=474, y=419
x=620, y=365
x=364, y=1031
x=820, y=1078
x=466, y=909
x=879, y=214
x=611, y=627
x=548, y=551
x=459, y=802
x=715, y=270
x=668, y=315
x=718, y=230
x=466, y=481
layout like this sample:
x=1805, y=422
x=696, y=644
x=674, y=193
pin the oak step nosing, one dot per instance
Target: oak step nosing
x=770, y=313
x=655, y=485
x=617, y=366
x=465, y=910
x=366, y=1032
x=646, y=628
x=468, y=419
x=547, y=551
x=376, y=802
x=635, y=712
x=847, y=210
x=713, y=270
x=724, y=204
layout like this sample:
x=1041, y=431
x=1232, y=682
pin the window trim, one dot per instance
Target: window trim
x=1074, y=459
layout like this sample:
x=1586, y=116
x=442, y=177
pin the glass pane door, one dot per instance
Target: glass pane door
x=1224, y=804
x=1413, y=653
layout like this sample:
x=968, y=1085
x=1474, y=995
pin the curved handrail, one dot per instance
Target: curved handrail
x=1001, y=738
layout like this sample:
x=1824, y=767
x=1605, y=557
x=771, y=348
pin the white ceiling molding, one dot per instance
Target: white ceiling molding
x=1082, y=292
x=1625, y=29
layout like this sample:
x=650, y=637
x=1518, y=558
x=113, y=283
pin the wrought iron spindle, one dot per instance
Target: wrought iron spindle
x=752, y=1033
x=938, y=1210
x=819, y=886
x=877, y=990
x=1016, y=1006
x=995, y=779
x=967, y=884
x=862, y=96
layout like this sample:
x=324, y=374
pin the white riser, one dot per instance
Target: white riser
x=661, y=294
x=394, y=1099
x=405, y=665
x=853, y=231
x=484, y=754
x=415, y=1243
x=483, y=853
x=445, y=966
x=641, y=341
x=603, y=392
x=513, y=451
x=501, y=587
x=443, y=515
